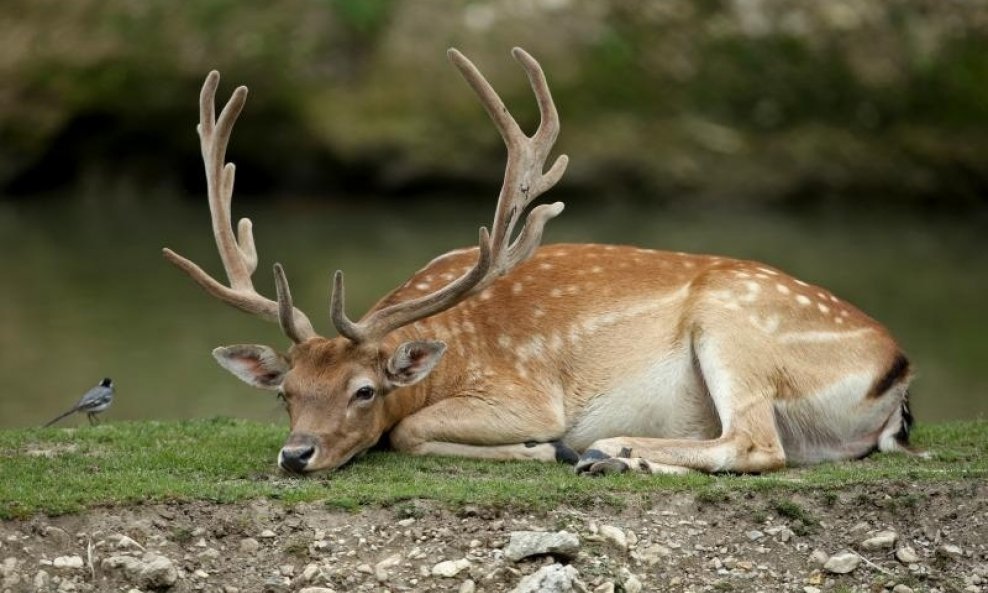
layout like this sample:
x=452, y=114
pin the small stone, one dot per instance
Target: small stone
x=900, y=588
x=605, y=587
x=267, y=534
x=450, y=568
x=819, y=557
x=200, y=574
x=615, y=536
x=754, y=535
x=317, y=590
x=554, y=578
x=68, y=562
x=468, y=586
x=810, y=589
x=633, y=585
x=249, y=545
x=883, y=540
x=533, y=543
x=652, y=554
x=842, y=563
x=381, y=568
x=41, y=580
x=310, y=572
x=906, y=555
x=406, y=522
x=365, y=568
x=946, y=550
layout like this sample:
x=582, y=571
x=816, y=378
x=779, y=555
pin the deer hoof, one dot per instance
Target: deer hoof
x=589, y=458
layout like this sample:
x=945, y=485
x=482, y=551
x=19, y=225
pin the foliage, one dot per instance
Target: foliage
x=58, y=471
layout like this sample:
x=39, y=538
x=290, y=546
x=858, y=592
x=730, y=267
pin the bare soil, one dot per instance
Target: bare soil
x=761, y=541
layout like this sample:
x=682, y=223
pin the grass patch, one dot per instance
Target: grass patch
x=56, y=471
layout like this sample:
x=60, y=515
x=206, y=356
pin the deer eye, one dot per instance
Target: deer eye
x=364, y=394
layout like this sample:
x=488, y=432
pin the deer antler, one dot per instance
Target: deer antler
x=237, y=251
x=524, y=181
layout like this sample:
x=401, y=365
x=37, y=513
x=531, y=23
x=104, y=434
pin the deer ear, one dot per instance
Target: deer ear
x=254, y=364
x=412, y=361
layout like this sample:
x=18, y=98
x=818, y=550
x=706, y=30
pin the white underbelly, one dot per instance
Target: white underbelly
x=664, y=399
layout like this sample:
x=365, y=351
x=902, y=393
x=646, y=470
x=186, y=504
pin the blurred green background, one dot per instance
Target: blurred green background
x=844, y=141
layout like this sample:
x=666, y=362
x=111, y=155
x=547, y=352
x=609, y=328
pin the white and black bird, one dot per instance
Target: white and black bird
x=96, y=400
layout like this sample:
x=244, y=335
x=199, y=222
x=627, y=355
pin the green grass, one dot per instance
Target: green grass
x=57, y=471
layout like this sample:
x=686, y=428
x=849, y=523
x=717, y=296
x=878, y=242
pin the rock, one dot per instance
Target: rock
x=652, y=554
x=249, y=545
x=605, y=587
x=365, y=568
x=842, y=563
x=41, y=580
x=554, y=578
x=310, y=572
x=810, y=589
x=900, y=588
x=450, y=568
x=68, y=562
x=317, y=590
x=381, y=568
x=633, y=585
x=468, y=586
x=883, y=540
x=819, y=557
x=906, y=555
x=614, y=535
x=153, y=571
x=754, y=535
x=267, y=534
x=533, y=543
x=950, y=551
x=123, y=542
x=406, y=522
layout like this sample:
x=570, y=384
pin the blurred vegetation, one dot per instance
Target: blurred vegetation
x=746, y=101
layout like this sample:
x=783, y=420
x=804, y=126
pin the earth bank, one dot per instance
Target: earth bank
x=899, y=537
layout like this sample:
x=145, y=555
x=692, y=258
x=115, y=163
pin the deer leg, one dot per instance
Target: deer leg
x=472, y=426
x=749, y=442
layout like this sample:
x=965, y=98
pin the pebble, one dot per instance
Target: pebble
x=317, y=590
x=249, y=545
x=468, y=586
x=450, y=568
x=267, y=534
x=614, y=535
x=900, y=588
x=554, y=578
x=68, y=562
x=842, y=563
x=605, y=587
x=883, y=540
x=819, y=557
x=523, y=544
x=381, y=568
x=906, y=555
x=950, y=551
x=633, y=585
x=754, y=535
x=810, y=589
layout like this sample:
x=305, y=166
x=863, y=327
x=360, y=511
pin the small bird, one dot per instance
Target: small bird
x=95, y=400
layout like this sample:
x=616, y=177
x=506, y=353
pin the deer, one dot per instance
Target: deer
x=610, y=358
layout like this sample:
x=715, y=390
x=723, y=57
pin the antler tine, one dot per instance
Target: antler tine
x=237, y=250
x=378, y=324
x=524, y=180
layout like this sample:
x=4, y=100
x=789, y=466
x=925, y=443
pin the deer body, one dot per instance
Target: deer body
x=613, y=358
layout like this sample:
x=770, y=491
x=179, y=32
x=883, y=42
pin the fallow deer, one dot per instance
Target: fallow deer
x=612, y=358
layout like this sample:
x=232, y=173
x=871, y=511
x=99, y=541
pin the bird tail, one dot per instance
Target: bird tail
x=59, y=417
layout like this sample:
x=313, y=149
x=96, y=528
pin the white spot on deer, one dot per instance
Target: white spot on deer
x=688, y=264
x=802, y=300
x=469, y=327
x=609, y=248
x=782, y=288
x=623, y=264
x=562, y=253
x=538, y=312
x=732, y=306
x=556, y=292
x=534, y=348
x=838, y=320
x=833, y=299
x=545, y=266
x=823, y=308
x=572, y=289
x=447, y=276
x=742, y=275
x=516, y=288
x=768, y=324
x=521, y=370
x=844, y=313
x=752, y=294
x=555, y=342
x=430, y=278
x=504, y=341
x=800, y=282
x=821, y=295
x=768, y=271
x=596, y=270
x=486, y=295
x=422, y=286
x=822, y=336
x=761, y=276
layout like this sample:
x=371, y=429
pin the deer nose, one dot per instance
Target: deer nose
x=295, y=458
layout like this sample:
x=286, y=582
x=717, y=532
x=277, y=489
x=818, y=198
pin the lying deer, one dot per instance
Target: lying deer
x=613, y=358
